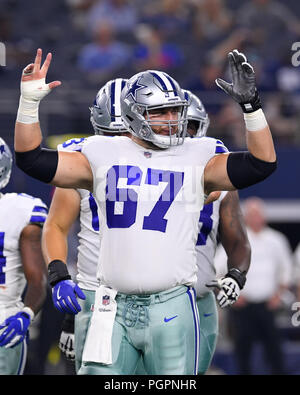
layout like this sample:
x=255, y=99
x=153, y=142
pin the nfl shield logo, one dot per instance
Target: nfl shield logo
x=147, y=154
x=105, y=300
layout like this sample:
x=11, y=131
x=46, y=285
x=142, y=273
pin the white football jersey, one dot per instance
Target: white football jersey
x=150, y=201
x=207, y=243
x=17, y=210
x=88, y=237
x=89, y=242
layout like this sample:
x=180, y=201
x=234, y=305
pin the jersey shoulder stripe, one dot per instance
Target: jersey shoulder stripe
x=31, y=209
x=217, y=146
x=37, y=219
x=72, y=145
x=40, y=209
x=39, y=212
x=220, y=147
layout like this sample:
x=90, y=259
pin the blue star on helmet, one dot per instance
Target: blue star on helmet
x=134, y=87
x=2, y=149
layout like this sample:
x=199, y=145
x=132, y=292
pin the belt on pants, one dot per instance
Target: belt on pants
x=147, y=299
x=135, y=311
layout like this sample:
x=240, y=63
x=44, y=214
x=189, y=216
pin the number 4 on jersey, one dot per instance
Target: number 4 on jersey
x=207, y=224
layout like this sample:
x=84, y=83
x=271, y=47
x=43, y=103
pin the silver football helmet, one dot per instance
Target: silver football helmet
x=197, y=113
x=5, y=163
x=154, y=90
x=106, y=111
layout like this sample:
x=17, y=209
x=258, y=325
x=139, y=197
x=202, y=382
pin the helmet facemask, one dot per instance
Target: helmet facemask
x=176, y=128
x=199, y=126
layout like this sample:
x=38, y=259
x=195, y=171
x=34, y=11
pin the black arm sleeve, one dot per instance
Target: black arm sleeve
x=245, y=170
x=39, y=163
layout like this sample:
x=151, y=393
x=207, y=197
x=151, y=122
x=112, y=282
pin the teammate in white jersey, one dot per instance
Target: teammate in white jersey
x=221, y=218
x=21, y=264
x=150, y=191
x=66, y=206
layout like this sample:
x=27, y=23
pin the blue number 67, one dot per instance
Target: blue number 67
x=129, y=197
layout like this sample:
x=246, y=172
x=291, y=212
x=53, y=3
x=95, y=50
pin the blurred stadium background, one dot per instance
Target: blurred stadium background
x=93, y=41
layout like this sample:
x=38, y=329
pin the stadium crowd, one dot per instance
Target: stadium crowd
x=97, y=40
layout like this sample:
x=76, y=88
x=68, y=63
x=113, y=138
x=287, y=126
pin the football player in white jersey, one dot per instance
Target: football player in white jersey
x=221, y=218
x=66, y=206
x=150, y=191
x=21, y=264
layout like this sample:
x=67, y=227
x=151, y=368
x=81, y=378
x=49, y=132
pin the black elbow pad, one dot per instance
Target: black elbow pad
x=39, y=163
x=244, y=169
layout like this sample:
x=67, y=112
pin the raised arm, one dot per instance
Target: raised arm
x=65, y=169
x=238, y=170
x=33, y=89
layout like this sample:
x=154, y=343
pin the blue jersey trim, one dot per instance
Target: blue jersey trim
x=40, y=209
x=221, y=149
x=37, y=218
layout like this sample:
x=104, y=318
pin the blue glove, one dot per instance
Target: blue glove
x=64, y=295
x=16, y=329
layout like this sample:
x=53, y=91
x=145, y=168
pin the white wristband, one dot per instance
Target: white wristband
x=28, y=111
x=255, y=120
x=29, y=311
x=32, y=92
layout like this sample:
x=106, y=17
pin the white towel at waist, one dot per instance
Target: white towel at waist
x=97, y=347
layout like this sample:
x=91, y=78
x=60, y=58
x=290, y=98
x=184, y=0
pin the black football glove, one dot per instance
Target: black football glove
x=229, y=287
x=243, y=88
x=66, y=341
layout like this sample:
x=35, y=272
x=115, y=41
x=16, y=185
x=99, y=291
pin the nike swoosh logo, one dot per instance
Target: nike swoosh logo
x=58, y=295
x=21, y=322
x=208, y=314
x=169, y=319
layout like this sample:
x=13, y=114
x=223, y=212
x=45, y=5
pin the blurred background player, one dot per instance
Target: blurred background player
x=297, y=271
x=253, y=318
x=66, y=206
x=21, y=266
x=219, y=220
x=198, y=120
x=222, y=221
